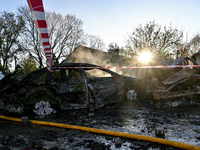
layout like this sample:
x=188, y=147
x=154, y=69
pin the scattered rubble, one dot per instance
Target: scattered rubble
x=159, y=131
x=118, y=142
x=171, y=83
x=139, y=120
x=24, y=120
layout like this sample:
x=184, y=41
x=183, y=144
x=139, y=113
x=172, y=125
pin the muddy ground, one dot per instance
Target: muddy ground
x=180, y=123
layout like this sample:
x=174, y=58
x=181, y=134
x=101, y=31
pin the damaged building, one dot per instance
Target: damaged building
x=196, y=57
x=83, y=54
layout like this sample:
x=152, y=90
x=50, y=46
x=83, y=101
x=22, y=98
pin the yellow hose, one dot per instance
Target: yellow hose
x=112, y=133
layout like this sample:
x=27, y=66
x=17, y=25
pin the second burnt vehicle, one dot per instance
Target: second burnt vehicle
x=165, y=85
x=70, y=86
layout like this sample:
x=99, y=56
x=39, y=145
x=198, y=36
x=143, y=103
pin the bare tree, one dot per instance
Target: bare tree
x=189, y=48
x=154, y=38
x=65, y=32
x=30, y=40
x=113, y=48
x=11, y=26
x=94, y=41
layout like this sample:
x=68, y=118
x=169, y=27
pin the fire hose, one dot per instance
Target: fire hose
x=111, y=133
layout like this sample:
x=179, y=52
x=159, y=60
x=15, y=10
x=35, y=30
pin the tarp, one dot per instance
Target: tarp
x=37, y=9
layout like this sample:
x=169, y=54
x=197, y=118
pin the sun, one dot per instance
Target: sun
x=145, y=57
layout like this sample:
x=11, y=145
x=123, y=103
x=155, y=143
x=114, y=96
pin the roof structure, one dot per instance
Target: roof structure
x=183, y=61
x=196, y=53
x=83, y=54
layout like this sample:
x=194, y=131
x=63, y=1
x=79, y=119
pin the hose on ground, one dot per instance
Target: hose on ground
x=112, y=133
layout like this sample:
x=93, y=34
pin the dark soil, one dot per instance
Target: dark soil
x=181, y=124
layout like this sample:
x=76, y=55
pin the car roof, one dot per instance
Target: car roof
x=82, y=65
x=75, y=65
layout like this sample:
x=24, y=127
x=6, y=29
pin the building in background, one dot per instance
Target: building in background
x=83, y=54
x=196, y=57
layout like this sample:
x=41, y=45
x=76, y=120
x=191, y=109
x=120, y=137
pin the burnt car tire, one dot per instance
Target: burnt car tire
x=131, y=94
x=40, y=103
x=43, y=108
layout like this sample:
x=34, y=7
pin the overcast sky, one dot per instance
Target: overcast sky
x=113, y=19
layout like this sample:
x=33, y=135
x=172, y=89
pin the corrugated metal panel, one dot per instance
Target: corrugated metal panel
x=182, y=74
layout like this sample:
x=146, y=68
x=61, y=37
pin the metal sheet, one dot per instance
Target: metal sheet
x=182, y=74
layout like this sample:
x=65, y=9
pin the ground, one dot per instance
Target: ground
x=181, y=124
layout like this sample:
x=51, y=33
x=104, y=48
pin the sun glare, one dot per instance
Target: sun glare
x=145, y=57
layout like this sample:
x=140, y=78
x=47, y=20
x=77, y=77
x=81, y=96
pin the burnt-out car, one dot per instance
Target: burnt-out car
x=70, y=86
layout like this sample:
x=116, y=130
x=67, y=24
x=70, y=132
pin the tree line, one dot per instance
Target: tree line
x=21, y=49
x=20, y=45
x=164, y=42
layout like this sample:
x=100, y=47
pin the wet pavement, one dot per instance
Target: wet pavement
x=180, y=123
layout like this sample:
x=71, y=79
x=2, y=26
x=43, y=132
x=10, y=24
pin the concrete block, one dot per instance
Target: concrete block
x=160, y=132
x=50, y=146
x=91, y=115
x=24, y=120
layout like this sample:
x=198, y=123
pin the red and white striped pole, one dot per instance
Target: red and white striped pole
x=37, y=10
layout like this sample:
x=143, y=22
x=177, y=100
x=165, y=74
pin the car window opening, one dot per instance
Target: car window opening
x=97, y=73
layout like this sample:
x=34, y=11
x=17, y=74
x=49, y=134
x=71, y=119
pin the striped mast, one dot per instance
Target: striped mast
x=37, y=10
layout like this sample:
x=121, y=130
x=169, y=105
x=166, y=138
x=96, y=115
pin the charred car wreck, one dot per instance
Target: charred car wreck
x=65, y=89
x=172, y=83
x=81, y=85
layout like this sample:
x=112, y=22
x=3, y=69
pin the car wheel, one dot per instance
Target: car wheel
x=43, y=108
x=131, y=95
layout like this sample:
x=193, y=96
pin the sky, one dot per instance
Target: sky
x=112, y=20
